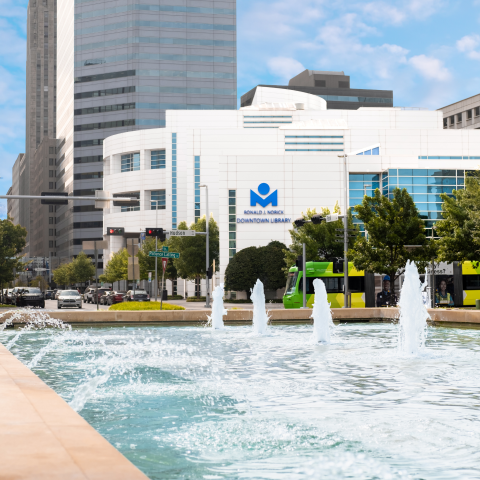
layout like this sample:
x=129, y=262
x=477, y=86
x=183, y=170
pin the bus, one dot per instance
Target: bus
x=357, y=282
x=460, y=281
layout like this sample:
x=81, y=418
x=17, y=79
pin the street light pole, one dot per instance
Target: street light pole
x=156, y=249
x=365, y=194
x=207, y=303
x=345, y=231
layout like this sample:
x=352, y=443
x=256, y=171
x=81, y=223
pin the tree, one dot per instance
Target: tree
x=191, y=264
x=63, y=275
x=391, y=225
x=460, y=230
x=82, y=268
x=12, y=242
x=147, y=264
x=243, y=270
x=40, y=282
x=117, y=267
x=252, y=263
x=319, y=239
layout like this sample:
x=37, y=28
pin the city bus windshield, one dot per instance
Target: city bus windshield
x=291, y=282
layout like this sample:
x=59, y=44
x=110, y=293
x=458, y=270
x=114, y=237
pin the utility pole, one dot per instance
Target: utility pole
x=207, y=303
x=96, y=272
x=156, y=249
x=345, y=231
x=304, y=265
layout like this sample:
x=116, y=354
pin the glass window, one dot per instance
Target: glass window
x=130, y=162
x=127, y=208
x=402, y=172
x=376, y=151
x=158, y=200
x=232, y=210
x=393, y=171
x=471, y=282
x=157, y=159
x=441, y=173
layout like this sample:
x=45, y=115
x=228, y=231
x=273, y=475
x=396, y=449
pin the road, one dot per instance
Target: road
x=52, y=306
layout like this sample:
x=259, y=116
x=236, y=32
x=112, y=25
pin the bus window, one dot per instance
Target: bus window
x=291, y=282
x=332, y=284
x=471, y=282
x=356, y=284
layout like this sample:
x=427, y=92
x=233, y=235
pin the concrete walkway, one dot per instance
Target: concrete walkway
x=42, y=438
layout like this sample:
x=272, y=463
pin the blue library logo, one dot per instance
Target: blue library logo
x=263, y=190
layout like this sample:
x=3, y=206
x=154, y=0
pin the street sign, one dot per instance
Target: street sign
x=133, y=274
x=40, y=269
x=180, y=233
x=349, y=236
x=149, y=277
x=348, y=230
x=165, y=249
x=164, y=254
x=331, y=218
x=90, y=245
x=164, y=264
x=143, y=236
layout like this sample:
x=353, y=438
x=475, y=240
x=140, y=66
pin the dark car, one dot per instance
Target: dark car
x=115, y=297
x=28, y=297
x=49, y=294
x=136, y=296
x=100, y=293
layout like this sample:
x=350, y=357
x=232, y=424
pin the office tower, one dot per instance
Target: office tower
x=40, y=112
x=334, y=87
x=462, y=114
x=121, y=65
x=13, y=206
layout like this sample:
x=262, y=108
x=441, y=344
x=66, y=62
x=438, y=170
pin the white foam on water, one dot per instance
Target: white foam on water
x=85, y=391
x=218, y=310
x=413, y=313
x=321, y=314
x=260, y=316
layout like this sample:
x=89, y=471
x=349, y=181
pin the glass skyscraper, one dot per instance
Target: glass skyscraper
x=121, y=65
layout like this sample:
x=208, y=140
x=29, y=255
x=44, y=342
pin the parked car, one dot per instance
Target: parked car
x=57, y=293
x=69, y=298
x=115, y=297
x=8, y=299
x=102, y=297
x=7, y=295
x=136, y=296
x=89, y=294
x=28, y=297
x=49, y=294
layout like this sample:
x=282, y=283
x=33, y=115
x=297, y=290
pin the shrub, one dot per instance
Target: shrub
x=144, y=306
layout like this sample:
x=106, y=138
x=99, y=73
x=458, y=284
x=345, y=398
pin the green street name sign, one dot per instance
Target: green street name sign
x=164, y=255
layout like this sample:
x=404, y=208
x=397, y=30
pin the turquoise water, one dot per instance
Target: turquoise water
x=186, y=403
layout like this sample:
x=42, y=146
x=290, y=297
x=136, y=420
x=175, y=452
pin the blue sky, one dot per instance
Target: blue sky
x=426, y=51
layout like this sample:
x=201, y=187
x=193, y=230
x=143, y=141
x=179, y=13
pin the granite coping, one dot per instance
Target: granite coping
x=200, y=317
x=42, y=438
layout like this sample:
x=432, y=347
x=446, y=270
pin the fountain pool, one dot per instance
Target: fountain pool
x=184, y=402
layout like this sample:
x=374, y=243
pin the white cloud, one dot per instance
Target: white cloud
x=284, y=67
x=430, y=68
x=397, y=12
x=468, y=44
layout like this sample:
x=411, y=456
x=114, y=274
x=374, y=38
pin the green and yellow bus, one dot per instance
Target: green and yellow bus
x=463, y=286
x=357, y=282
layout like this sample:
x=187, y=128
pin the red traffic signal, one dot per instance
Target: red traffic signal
x=155, y=232
x=115, y=231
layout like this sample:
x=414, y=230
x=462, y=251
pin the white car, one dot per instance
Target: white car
x=69, y=298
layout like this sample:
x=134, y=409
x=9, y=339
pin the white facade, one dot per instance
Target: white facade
x=288, y=149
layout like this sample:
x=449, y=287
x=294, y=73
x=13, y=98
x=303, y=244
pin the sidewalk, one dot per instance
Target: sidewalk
x=228, y=306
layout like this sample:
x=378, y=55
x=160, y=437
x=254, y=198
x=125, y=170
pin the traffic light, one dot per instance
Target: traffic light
x=338, y=264
x=115, y=231
x=156, y=232
x=210, y=273
x=317, y=219
x=299, y=263
x=299, y=222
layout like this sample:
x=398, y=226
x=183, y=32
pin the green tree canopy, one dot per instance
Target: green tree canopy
x=63, y=275
x=82, y=268
x=191, y=263
x=117, y=267
x=391, y=225
x=460, y=230
x=148, y=263
x=252, y=263
x=319, y=239
x=12, y=242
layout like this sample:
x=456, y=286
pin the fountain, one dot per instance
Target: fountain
x=260, y=317
x=218, y=311
x=413, y=313
x=321, y=314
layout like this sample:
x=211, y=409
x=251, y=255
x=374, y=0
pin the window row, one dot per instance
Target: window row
x=130, y=162
x=155, y=40
x=158, y=201
x=459, y=117
x=232, y=221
